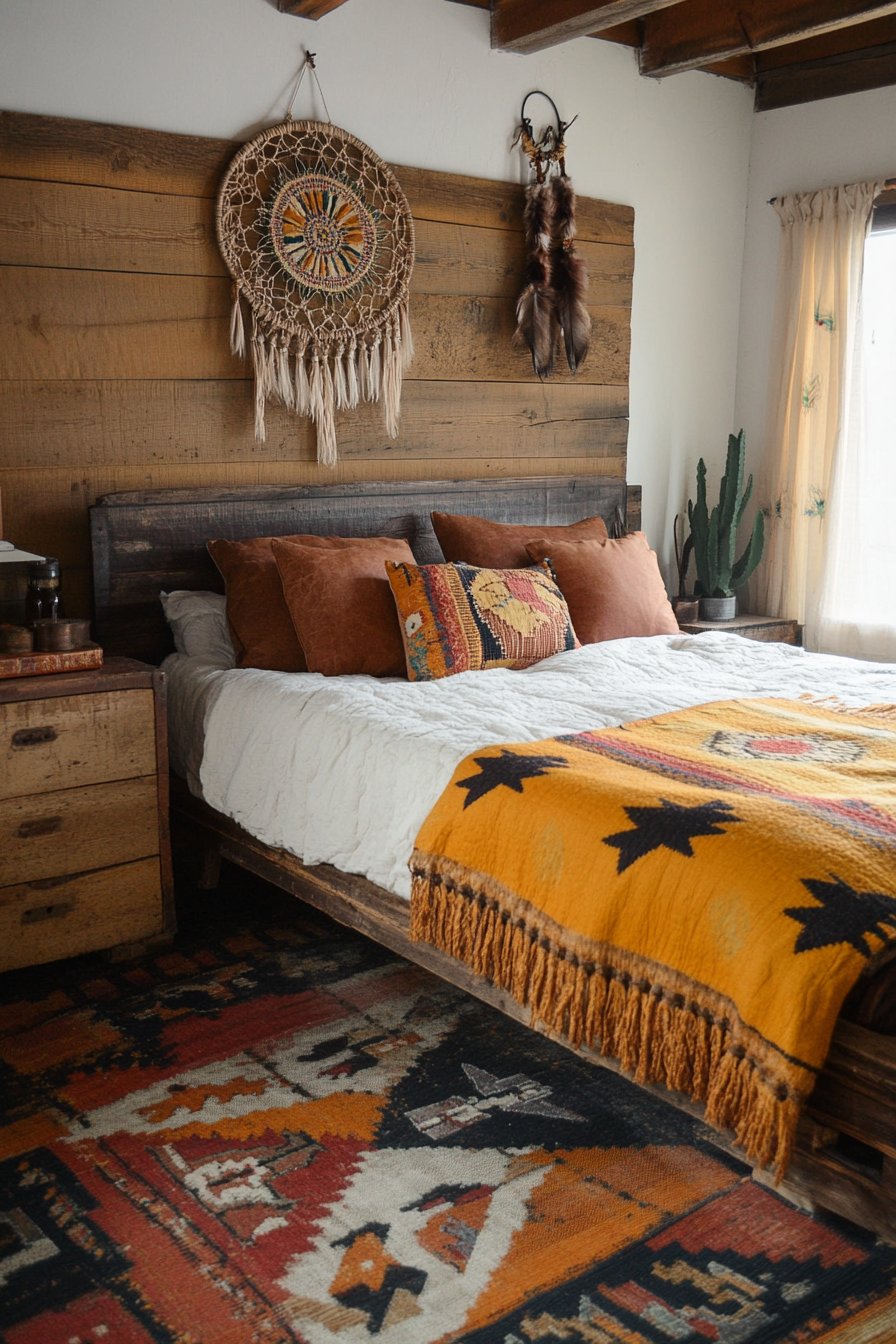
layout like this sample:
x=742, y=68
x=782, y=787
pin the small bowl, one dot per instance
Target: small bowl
x=62, y=636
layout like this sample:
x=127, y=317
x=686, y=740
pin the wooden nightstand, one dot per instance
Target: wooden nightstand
x=85, y=858
x=769, y=629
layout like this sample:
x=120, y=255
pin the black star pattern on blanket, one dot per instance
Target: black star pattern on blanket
x=508, y=769
x=671, y=825
x=844, y=916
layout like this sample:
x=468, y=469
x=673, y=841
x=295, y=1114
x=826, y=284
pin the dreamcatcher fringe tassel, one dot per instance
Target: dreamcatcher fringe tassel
x=303, y=391
x=237, y=330
x=373, y=372
x=353, y=389
x=340, y=381
x=313, y=381
x=407, y=340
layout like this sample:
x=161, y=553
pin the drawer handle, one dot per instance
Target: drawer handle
x=34, y=737
x=29, y=830
x=38, y=913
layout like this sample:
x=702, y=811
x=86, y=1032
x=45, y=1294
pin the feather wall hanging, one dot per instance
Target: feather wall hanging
x=552, y=305
x=319, y=239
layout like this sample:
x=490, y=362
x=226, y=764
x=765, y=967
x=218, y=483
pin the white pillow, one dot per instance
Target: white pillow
x=199, y=624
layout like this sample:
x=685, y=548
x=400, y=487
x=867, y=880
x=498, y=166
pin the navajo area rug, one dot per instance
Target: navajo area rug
x=277, y=1131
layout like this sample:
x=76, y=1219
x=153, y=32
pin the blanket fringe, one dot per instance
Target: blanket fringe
x=656, y=1036
x=838, y=706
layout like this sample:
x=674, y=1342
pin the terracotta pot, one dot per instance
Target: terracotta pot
x=718, y=608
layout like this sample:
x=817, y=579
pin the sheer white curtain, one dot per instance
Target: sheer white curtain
x=858, y=604
x=816, y=362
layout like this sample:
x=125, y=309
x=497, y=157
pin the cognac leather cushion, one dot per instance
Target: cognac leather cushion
x=341, y=604
x=613, y=589
x=479, y=541
x=261, y=627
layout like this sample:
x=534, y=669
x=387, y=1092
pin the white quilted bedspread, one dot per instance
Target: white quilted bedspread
x=344, y=770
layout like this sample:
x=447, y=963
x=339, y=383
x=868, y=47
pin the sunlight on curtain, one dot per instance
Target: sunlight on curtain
x=858, y=608
x=812, y=392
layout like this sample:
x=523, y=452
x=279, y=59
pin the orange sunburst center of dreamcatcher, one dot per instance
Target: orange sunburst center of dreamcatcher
x=323, y=233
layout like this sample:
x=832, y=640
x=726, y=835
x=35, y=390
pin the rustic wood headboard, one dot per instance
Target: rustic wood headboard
x=147, y=541
x=115, y=353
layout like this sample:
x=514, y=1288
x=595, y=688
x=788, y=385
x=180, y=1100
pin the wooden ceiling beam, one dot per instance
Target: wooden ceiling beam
x=697, y=33
x=856, y=38
x=532, y=25
x=826, y=77
x=308, y=9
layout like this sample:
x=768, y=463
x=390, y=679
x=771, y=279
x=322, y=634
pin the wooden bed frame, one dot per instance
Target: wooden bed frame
x=845, y=1157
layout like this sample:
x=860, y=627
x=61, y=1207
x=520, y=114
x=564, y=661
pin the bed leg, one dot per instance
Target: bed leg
x=210, y=870
x=799, y=1198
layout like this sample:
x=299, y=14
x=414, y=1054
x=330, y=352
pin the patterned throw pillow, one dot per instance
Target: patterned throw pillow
x=458, y=618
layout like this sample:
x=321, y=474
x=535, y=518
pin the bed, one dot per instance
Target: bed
x=845, y=1157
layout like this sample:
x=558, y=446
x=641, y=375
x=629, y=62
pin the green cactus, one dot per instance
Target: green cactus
x=715, y=534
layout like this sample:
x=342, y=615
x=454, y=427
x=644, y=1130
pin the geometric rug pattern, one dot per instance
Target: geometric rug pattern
x=281, y=1132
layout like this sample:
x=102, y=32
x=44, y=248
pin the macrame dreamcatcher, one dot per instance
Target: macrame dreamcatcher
x=319, y=239
x=552, y=303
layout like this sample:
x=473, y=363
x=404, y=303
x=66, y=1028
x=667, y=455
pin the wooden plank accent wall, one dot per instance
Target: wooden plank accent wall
x=115, y=369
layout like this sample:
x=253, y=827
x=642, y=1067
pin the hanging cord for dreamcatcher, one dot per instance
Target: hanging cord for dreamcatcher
x=307, y=64
x=553, y=300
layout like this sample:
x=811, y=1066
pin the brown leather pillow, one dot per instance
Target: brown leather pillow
x=613, y=589
x=479, y=541
x=260, y=624
x=341, y=605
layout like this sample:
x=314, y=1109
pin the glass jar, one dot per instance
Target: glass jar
x=43, y=601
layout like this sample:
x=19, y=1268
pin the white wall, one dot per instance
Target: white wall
x=800, y=148
x=417, y=80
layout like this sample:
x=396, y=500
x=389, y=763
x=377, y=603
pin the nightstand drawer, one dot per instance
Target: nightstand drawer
x=70, y=741
x=40, y=921
x=49, y=834
x=766, y=629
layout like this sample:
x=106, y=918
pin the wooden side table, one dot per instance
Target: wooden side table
x=768, y=629
x=85, y=857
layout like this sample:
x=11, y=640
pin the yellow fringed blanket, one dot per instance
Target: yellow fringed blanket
x=694, y=893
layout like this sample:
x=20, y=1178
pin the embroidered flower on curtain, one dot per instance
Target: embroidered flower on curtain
x=825, y=320
x=811, y=393
x=816, y=504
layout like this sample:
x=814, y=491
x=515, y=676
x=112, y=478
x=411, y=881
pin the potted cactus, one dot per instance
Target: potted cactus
x=714, y=534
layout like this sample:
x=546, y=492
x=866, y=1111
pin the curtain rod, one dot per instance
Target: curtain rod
x=888, y=185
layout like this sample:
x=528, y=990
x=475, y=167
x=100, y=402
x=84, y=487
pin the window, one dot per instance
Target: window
x=875, y=597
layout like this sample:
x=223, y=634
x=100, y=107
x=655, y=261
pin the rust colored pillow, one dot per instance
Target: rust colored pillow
x=260, y=624
x=341, y=605
x=613, y=589
x=479, y=541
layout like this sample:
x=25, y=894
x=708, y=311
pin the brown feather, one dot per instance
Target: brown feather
x=569, y=275
x=564, y=211
x=570, y=286
x=536, y=308
x=536, y=327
